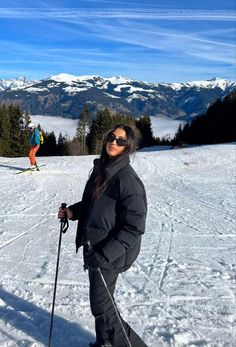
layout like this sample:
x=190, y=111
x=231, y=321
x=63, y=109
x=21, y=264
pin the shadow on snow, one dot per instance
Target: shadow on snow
x=11, y=167
x=34, y=322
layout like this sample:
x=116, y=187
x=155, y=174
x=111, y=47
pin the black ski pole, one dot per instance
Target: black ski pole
x=64, y=226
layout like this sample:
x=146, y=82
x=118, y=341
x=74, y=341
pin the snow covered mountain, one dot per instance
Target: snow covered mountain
x=65, y=95
x=19, y=82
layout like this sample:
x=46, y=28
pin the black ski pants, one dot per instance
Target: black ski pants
x=107, y=325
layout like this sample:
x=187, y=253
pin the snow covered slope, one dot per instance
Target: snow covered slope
x=180, y=292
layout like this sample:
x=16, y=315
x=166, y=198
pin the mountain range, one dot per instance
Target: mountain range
x=65, y=95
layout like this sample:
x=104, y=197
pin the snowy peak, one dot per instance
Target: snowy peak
x=209, y=84
x=119, y=80
x=212, y=83
x=66, y=94
x=64, y=78
x=68, y=78
x=19, y=82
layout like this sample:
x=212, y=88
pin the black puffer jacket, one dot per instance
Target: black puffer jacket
x=115, y=222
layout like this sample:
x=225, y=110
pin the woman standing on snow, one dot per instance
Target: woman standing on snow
x=111, y=217
x=34, y=145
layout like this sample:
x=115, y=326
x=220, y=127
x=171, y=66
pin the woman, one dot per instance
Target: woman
x=34, y=145
x=111, y=217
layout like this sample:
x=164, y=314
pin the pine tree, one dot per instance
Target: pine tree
x=24, y=140
x=81, y=131
x=61, y=145
x=49, y=147
x=178, y=136
x=4, y=132
x=100, y=125
x=145, y=126
x=217, y=125
x=17, y=148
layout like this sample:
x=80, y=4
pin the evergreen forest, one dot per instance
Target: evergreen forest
x=14, y=135
x=217, y=125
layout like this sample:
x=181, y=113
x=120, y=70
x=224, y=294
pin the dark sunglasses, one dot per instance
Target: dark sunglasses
x=119, y=141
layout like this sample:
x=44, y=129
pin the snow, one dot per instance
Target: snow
x=70, y=79
x=180, y=292
x=66, y=126
x=64, y=77
x=121, y=86
x=136, y=96
x=137, y=89
x=212, y=83
x=17, y=83
x=132, y=89
x=119, y=80
x=177, y=86
x=112, y=96
x=74, y=90
x=36, y=90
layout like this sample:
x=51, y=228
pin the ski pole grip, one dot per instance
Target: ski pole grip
x=64, y=221
x=63, y=205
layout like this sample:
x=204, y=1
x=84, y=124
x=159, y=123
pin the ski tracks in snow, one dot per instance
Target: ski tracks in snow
x=179, y=292
x=167, y=260
x=15, y=238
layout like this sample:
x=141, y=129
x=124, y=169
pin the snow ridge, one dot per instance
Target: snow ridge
x=118, y=81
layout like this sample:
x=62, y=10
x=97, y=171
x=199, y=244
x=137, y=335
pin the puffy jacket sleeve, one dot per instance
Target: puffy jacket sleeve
x=76, y=210
x=132, y=210
x=35, y=138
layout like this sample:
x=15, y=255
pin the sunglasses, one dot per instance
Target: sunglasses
x=119, y=140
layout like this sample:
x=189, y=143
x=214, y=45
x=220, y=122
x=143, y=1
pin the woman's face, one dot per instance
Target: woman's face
x=112, y=148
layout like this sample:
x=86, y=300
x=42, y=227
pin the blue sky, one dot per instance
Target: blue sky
x=149, y=40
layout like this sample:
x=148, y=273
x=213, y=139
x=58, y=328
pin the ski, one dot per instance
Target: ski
x=30, y=170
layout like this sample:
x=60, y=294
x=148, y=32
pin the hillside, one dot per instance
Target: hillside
x=180, y=292
x=65, y=95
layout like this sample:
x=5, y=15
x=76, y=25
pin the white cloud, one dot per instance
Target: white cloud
x=130, y=13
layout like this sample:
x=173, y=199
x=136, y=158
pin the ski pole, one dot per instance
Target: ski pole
x=64, y=226
x=114, y=306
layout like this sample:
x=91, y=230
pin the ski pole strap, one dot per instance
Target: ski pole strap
x=64, y=221
x=64, y=224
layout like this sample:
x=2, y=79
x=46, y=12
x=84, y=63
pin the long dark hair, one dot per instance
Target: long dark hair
x=99, y=177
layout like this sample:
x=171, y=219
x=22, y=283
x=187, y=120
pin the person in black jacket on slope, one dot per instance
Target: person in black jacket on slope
x=111, y=220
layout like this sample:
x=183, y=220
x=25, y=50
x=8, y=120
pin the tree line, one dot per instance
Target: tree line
x=14, y=135
x=217, y=125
